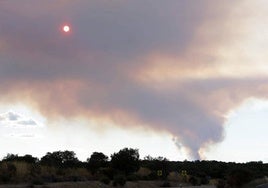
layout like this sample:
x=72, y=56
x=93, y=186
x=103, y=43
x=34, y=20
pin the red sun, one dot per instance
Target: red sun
x=66, y=28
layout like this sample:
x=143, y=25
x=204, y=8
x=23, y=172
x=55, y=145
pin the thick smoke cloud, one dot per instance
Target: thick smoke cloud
x=149, y=63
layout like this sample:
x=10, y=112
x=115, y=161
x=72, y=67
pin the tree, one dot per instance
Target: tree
x=25, y=158
x=96, y=161
x=126, y=160
x=60, y=159
x=157, y=164
x=11, y=157
x=148, y=158
x=28, y=159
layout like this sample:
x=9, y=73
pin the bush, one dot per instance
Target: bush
x=132, y=177
x=37, y=181
x=173, y=176
x=239, y=177
x=143, y=172
x=119, y=180
x=109, y=172
x=221, y=184
x=204, y=181
x=153, y=176
x=7, y=172
x=34, y=169
x=165, y=184
x=105, y=180
x=193, y=180
x=73, y=178
x=49, y=178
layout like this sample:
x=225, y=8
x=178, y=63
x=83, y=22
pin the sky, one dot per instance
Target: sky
x=180, y=79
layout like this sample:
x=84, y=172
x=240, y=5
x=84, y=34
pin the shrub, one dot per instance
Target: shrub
x=193, y=180
x=49, y=178
x=173, y=176
x=7, y=172
x=152, y=176
x=221, y=184
x=239, y=177
x=143, y=172
x=105, y=180
x=119, y=180
x=109, y=172
x=37, y=181
x=165, y=184
x=34, y=169
x=204, y=180
x=132, y=177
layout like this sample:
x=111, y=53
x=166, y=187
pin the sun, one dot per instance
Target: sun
x=66, y=28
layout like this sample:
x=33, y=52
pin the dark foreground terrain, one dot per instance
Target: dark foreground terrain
x=62, y=169
x=96, y=184
x=260, y=183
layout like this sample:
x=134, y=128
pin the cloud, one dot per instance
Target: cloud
x=23, y=135
x=170, y=66
x=27, y=122
x=15, y=120
x=11, y=116
x=17, y=126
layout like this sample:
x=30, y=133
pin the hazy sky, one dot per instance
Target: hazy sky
x=177, y=78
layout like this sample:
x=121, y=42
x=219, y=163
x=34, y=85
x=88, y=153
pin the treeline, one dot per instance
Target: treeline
x=125, y=165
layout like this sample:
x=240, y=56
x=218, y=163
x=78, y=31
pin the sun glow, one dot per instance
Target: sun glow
x=66, y=28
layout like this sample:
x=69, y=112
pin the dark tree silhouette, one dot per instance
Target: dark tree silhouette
x=96, y=161
x=58, y=166
x=60, y=159
x=28, y=159
x=10, y=157
x=25, y=158
x=126, y=160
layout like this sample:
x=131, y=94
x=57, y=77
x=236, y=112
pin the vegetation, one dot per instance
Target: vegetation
x=96, y=161
x=126, y=161
x=125, y=165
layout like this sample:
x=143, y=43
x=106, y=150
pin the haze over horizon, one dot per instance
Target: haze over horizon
x=180, y=79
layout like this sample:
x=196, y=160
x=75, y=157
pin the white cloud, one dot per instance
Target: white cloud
x=17, y=126
x=16, y=120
